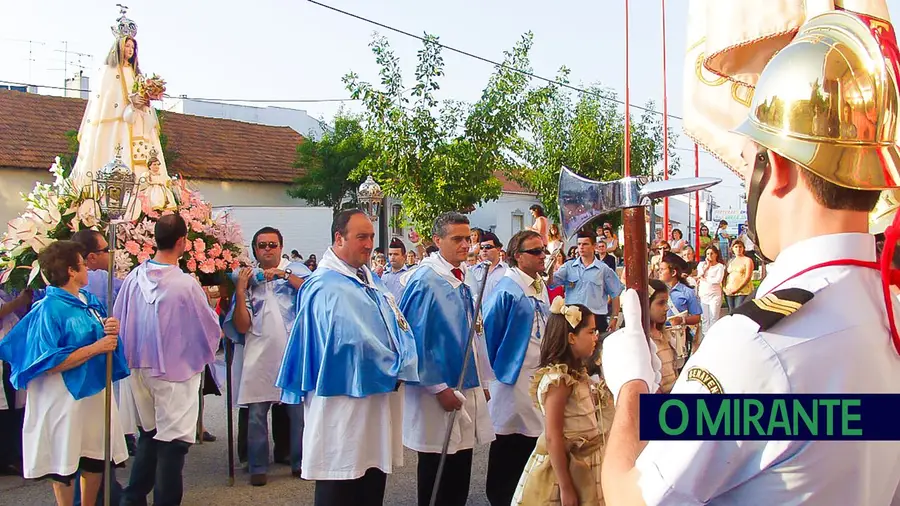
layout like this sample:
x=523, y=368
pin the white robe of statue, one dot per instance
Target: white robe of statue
x=110, y=120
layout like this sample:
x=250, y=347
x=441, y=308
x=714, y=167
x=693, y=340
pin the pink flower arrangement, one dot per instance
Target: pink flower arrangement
x=213, y=245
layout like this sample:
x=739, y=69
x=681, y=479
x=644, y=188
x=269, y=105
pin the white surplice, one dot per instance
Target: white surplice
x=425, y=421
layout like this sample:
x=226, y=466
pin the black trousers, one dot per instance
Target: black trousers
x=367, y=490
x=11, y=423
x=507, y=459
x=158, y=467
x=281, y=433
x=454, y=489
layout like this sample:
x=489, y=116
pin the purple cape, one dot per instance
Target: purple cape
x=166, y=323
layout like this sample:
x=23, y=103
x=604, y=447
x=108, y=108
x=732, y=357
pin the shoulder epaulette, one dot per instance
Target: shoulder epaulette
x=770, y=309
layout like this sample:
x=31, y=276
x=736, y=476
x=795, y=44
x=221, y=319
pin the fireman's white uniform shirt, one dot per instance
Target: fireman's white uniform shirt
x=837, y=342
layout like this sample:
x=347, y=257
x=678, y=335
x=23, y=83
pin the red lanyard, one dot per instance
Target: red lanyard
x=888, y=277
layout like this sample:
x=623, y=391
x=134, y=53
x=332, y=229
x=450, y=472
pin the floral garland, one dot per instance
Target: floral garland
x=55, y=211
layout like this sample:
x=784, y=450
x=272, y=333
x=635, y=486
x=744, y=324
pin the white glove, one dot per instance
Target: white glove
x=462, y=410
x=626, y=354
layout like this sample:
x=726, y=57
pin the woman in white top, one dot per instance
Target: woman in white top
x=612, y=244
x=710, y=274
x=555, y=243
x=678, y=243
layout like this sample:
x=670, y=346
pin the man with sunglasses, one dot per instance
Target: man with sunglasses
x=590, y=282
x=490, y=247
x=97, y=262
x=514, y=319
x=261, y=318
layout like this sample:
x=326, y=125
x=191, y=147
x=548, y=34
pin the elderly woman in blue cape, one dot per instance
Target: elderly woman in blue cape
x=57, y=353
x=348, y=354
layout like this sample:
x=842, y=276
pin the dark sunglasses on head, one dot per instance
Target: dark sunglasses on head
x=487, y=246
x=536, y=251
x=104, y=250
x=267, y=245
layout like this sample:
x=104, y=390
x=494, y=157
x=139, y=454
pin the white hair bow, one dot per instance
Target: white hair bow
x=572, y=313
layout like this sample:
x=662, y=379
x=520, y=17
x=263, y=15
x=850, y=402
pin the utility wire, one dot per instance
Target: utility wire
x=257, y=100
x=492, y=62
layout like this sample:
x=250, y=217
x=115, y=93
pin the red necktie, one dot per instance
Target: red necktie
x=458, y=273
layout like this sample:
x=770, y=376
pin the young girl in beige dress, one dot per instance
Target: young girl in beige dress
x=669, y=342
x=564, y=468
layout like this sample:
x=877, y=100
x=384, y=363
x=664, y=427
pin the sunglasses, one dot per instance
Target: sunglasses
x=488, y=246
x=536, y=251
x=104, y=250
x=267, y=245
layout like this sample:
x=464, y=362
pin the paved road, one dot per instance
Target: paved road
x=206, y=478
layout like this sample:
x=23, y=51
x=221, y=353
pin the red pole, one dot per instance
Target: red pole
x=665, y=126
x=697, y=252
x=627, y=112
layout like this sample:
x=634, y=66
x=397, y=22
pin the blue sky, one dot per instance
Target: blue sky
x=292, y=49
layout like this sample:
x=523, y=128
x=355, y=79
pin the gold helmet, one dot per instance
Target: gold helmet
x=829, y=101
x=883, y=214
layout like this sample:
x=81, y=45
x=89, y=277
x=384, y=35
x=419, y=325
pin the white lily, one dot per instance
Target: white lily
x=87, y=213
x=35, y=270
x=39, y=242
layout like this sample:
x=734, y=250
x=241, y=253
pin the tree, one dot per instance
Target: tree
x=433, y=156
x=585, y=132
x=330, y=164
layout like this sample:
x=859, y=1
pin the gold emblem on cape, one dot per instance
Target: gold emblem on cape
x=401, y=321
x=706, y=378
x=479, y=325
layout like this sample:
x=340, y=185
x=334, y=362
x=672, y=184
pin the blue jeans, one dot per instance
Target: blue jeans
x=157, y=468
x=734, y=301
x=258, y=436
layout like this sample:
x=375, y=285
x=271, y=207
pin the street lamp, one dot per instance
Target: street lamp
x=371, y=198
x=114, y=189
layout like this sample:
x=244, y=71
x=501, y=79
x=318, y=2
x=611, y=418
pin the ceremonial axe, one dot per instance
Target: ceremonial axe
x=581, y=200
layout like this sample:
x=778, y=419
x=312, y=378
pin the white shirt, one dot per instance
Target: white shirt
x=838, y=342
x=368, y=429
x=711, y=284
x=424, y=420
x=512, y=408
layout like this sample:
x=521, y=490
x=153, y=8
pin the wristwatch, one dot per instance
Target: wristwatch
x=287, y=273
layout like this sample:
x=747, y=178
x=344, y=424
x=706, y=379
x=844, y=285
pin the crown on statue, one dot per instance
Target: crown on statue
x=124, y=26
x=153, y=153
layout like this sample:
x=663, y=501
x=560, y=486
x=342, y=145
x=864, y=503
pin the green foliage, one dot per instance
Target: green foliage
x=437, y=157
x=330, y=164
x=586, y=133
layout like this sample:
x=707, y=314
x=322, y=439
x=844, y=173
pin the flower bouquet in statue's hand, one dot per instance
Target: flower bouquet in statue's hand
x=147, y=88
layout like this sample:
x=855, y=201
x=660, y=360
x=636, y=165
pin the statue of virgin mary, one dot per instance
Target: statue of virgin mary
x=117, y=117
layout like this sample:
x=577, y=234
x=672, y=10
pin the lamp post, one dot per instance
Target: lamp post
x=371, y=199
x=114, y=188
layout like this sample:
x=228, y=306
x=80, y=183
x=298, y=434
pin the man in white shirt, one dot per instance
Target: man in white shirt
x=490, y=247
x=514, y=320
x=348, y=354
x=263, y=314
x=819, y=324
x=440, y=308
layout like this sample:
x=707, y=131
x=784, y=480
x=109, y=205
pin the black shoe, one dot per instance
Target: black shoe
x=258, y=480
x=208, y=438
x=10, y=470
x=297, y=474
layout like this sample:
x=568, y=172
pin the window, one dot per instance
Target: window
x=396, y=222
x=518, y=222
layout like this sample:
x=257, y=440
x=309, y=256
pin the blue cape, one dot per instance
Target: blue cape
x=54, y=328
x=508, y=321
x=440, y=317
x=284, y=291
x=346, y=340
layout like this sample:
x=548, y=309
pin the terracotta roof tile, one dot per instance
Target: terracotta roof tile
x=511, y=186
x=33, y=127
